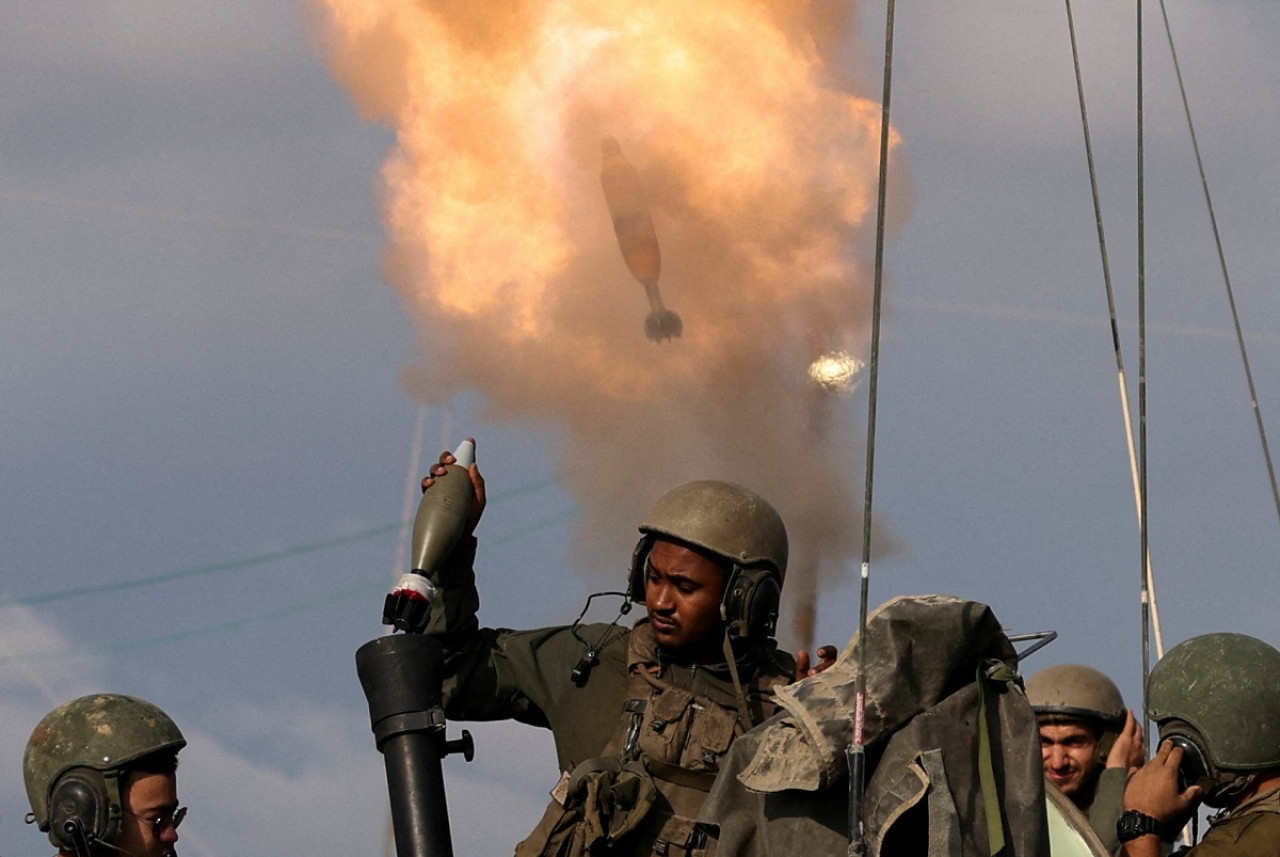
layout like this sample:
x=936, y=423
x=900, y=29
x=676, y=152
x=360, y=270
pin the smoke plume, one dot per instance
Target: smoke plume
x=759, y=176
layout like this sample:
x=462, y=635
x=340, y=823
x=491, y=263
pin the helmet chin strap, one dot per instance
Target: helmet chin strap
x=744, y=712
x=1227, y=788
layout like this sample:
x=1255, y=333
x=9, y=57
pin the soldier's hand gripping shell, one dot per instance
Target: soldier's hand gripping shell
x=441, y=469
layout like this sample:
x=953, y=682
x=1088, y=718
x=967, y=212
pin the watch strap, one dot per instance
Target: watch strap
x=1134, y=823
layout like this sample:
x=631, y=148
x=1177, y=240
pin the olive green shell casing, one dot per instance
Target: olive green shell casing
x=441, y=518
x=1227, y=687
x=104, y=732
x=724, y=519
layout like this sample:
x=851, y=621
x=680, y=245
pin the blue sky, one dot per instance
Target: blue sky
x=200, y=385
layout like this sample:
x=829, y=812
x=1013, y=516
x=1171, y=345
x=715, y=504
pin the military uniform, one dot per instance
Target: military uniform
x=638, y=742
x=1106, y=805
x=1250, y=830
x=1216, y=699
x=1073, y=693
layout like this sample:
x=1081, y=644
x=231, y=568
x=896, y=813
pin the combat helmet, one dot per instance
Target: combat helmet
x=734, y=524
x=76, y=756
x=1074, y=692
x=1222, y=691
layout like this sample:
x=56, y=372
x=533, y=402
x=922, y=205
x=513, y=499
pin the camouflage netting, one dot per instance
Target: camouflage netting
x=937, y=669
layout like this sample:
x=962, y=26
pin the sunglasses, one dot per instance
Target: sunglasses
x=160, y=822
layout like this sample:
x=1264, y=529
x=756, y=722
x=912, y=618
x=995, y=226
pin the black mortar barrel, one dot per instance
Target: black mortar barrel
x=400, y=675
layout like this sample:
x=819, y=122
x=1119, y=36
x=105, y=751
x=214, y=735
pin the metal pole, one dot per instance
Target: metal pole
x=856, y=753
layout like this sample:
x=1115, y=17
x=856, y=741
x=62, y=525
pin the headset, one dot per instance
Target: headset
x=1195, y=766
x=591, y=656
x=751, y=597
x=85, y=809
x=751, y=602
x=1108, y=734
x=1197, y=769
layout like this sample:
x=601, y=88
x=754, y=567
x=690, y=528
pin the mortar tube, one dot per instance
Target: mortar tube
x=401, y=678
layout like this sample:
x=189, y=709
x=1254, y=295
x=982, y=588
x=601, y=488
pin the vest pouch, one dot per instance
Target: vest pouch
x=681, y=837
x=711, y=729
x=666, y=724
x=605, y=801
x=555, y=834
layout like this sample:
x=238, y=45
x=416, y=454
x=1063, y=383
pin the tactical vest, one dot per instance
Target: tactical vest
x=641, y=795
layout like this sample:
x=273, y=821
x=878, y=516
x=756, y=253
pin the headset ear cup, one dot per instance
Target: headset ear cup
x=1106, y=740
x=1195, y=767
x=635, y=580
x=751, y=599
x=80, y=812
x=762, y=609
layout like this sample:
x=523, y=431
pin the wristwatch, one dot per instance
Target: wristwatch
x=1133, y=824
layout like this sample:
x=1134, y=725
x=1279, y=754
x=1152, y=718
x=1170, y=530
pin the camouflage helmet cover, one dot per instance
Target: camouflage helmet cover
x=1074, y=691
x=724, y=519
x=1226, y=687
x=104, y=732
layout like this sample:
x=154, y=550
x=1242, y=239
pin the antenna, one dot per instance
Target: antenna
x=856, y=754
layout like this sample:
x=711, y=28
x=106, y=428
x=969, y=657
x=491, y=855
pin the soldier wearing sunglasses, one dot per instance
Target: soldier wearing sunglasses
x=101, y=776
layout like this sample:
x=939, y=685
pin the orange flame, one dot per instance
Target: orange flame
x=758, y=178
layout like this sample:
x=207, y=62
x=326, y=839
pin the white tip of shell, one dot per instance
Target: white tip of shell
x=465, y=453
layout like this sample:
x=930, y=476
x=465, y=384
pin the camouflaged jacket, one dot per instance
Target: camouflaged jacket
x=952, y=746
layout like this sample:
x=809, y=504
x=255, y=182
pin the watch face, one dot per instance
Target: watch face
x=1133, y=824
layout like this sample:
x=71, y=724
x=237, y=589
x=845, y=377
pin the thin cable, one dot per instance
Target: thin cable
x=1143, y=523
x=1222, y=263
x=213, y=629
x=243, y=563
x=198, y=570
x=856, y=753
x=1111, y=314
x=226, y=626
